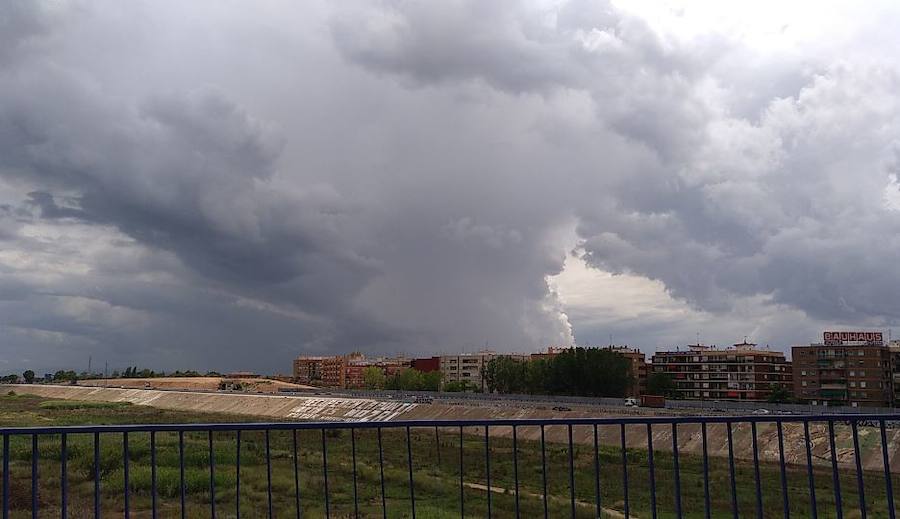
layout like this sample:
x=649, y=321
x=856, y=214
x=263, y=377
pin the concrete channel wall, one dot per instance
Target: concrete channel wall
x=316, y=408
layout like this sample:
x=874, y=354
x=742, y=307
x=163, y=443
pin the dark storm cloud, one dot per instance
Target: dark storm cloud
x=203, y=184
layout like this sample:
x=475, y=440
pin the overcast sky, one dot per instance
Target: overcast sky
x=227, y=184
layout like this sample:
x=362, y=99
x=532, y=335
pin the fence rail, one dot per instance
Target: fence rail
x=685, y=466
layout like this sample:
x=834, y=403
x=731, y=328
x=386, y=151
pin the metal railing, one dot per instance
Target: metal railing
x=722, y=466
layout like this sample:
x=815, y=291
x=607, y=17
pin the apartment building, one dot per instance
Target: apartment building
x=342, y=371
x=846, y=368
x=468, y=366
x=308, y=370
x=354, y=370
x=639, y=368
x=741, y=372
x=894, y=348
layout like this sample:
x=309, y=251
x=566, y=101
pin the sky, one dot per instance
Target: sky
x=210, y=185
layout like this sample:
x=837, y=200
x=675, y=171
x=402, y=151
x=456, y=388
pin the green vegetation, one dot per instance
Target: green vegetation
x=661, y=384
x=28, y=376
x=410, y=379
x=575, y=372
x=436, y=471
x=780, y=395
x=373, y=377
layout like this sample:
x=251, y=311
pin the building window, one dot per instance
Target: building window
x=803, y=373
x=862, y=384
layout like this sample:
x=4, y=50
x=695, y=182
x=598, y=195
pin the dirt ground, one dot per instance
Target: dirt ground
x=196, y=383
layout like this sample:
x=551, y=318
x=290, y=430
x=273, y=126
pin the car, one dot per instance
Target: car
x=762, y=411
x=631, y=402
x=562, y=408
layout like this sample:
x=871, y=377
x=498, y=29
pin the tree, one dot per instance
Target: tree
x=660, y=384
x=28, y=376
x=457, y=386
x=373, y=377
x=431, y=381
x=410, y=380
x=779, y=395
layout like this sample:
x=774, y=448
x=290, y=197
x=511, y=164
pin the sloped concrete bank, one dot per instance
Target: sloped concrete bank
x=263, y=406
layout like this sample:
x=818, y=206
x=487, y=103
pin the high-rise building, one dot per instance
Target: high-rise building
x=846, y=368
x=741, y=372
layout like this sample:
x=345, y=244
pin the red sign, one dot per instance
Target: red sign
x=872, y=338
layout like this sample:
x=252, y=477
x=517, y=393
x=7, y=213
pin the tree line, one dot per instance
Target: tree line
x=407, y=379
x=574, y=372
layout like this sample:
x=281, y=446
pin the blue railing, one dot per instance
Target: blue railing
x=723, y=466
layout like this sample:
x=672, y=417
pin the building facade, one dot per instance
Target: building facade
x=427, y=364
x=308, y=370
x=846, y=368
x=468, y=367
x=742, y=372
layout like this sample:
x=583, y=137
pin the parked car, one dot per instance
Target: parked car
x=562, y=408
x=631, y=402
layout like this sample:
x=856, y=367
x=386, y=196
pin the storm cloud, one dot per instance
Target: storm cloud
x=209, y=187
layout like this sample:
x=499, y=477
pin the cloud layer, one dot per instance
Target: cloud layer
x=199, y=186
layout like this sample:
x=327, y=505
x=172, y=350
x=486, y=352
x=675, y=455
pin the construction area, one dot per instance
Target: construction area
x=326, y=408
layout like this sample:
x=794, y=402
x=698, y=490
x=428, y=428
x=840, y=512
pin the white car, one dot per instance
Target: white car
x=762, y=411
x=631, y=402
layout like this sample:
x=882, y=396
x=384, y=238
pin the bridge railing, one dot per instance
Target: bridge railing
x=722, y=466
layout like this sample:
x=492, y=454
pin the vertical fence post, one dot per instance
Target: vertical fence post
x=212, y=476
x=516, y=467
x=885, y=459
x=734, y=501
x=676, y=470
x=651, y=471
x=813, y=506
x=153, y=473
x=34, y=476
x=544, y=470
x=859, y=471
x=63, y=476
x=269, y=472
x=706, y=502
x=756, y=479
x=624, y=469
x=784, y=489
x=96, y=475
x=324, y=475
x=296, y=474
x=597, y=472
x=462, y=507
x=237, y=475
x=5, y=476
x=355, y=490
x=181, y=484
x=125, y=456
x=835, y=475
x=381, y=468
x=571, y=472
x=437, y=444
x=412, y=487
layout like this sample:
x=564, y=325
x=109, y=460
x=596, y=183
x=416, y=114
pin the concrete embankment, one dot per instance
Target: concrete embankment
x=264, y=406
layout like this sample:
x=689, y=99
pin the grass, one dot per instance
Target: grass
x=78, y=404
x=435, y=468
